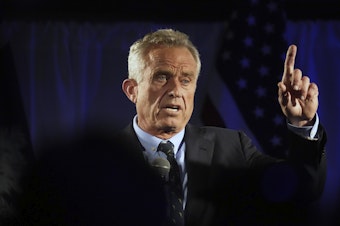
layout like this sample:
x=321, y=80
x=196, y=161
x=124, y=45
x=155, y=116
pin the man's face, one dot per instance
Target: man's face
x=165, y=96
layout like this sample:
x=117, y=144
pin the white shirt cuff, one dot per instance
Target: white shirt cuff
x=308, y=132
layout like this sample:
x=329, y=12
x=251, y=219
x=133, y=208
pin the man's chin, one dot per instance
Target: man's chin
x=169, y=129
x=172, y=127
x=171, y=124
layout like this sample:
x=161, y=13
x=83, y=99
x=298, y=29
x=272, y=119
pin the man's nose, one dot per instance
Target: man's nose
x=175, y=88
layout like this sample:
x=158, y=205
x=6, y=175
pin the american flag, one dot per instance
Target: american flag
x=249, y=64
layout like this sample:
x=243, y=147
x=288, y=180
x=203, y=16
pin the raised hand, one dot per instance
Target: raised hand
x=298, y=97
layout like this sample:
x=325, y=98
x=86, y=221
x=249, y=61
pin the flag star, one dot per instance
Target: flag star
x=248, y=41
x=263, y=70
x=278, y=120
x=251, y=20
x=261, y=92
x=245, y=62
x=242, y=83
x=259, y=112
x=266, y=49
x=276, y=140
x=269, y=28
x=272, y=6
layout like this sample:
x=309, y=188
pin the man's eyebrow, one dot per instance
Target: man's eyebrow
x=165, y=71
x=188, y=74
x=162, y=72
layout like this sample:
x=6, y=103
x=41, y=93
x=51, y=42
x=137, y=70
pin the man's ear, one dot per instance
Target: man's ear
x=129, y=87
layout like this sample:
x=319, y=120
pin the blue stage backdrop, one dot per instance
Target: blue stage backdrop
x=70, y=73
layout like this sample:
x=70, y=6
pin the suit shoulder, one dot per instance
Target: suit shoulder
x=213, y=131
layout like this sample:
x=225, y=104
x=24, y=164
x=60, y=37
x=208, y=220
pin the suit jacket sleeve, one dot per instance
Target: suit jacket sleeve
x=302, y=174
x=228, y=178
x=310, y=154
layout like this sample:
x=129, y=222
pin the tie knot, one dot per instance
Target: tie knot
x=167, y=147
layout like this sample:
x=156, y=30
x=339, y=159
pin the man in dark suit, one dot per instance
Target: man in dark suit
x=225, y=179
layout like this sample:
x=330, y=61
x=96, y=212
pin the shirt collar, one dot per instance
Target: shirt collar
x=150, y=142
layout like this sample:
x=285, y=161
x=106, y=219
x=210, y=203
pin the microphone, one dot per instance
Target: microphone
x=162, y=167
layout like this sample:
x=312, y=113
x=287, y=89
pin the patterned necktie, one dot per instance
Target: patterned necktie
x=175, y=185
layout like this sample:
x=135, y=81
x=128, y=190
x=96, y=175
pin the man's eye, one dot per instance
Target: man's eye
x=161, y=78
x=185, y=81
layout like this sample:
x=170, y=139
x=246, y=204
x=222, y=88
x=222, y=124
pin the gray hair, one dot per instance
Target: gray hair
x=161, y=37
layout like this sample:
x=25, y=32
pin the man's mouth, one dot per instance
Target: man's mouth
x=173, y=108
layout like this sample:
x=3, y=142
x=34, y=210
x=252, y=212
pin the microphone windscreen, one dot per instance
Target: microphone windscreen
x=162, y=167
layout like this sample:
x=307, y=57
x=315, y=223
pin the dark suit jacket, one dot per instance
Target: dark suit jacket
x=231, y=183
x=90, y=180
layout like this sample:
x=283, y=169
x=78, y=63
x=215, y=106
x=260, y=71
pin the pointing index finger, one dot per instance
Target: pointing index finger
x=289, y=64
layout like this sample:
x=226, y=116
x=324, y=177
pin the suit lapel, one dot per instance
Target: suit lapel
x=199, y=145
x=128, y=139
x=199, y=153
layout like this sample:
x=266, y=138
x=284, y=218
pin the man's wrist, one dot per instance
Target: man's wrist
x=308, y=131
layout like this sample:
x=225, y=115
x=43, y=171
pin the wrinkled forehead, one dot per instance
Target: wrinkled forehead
x=178, y=56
